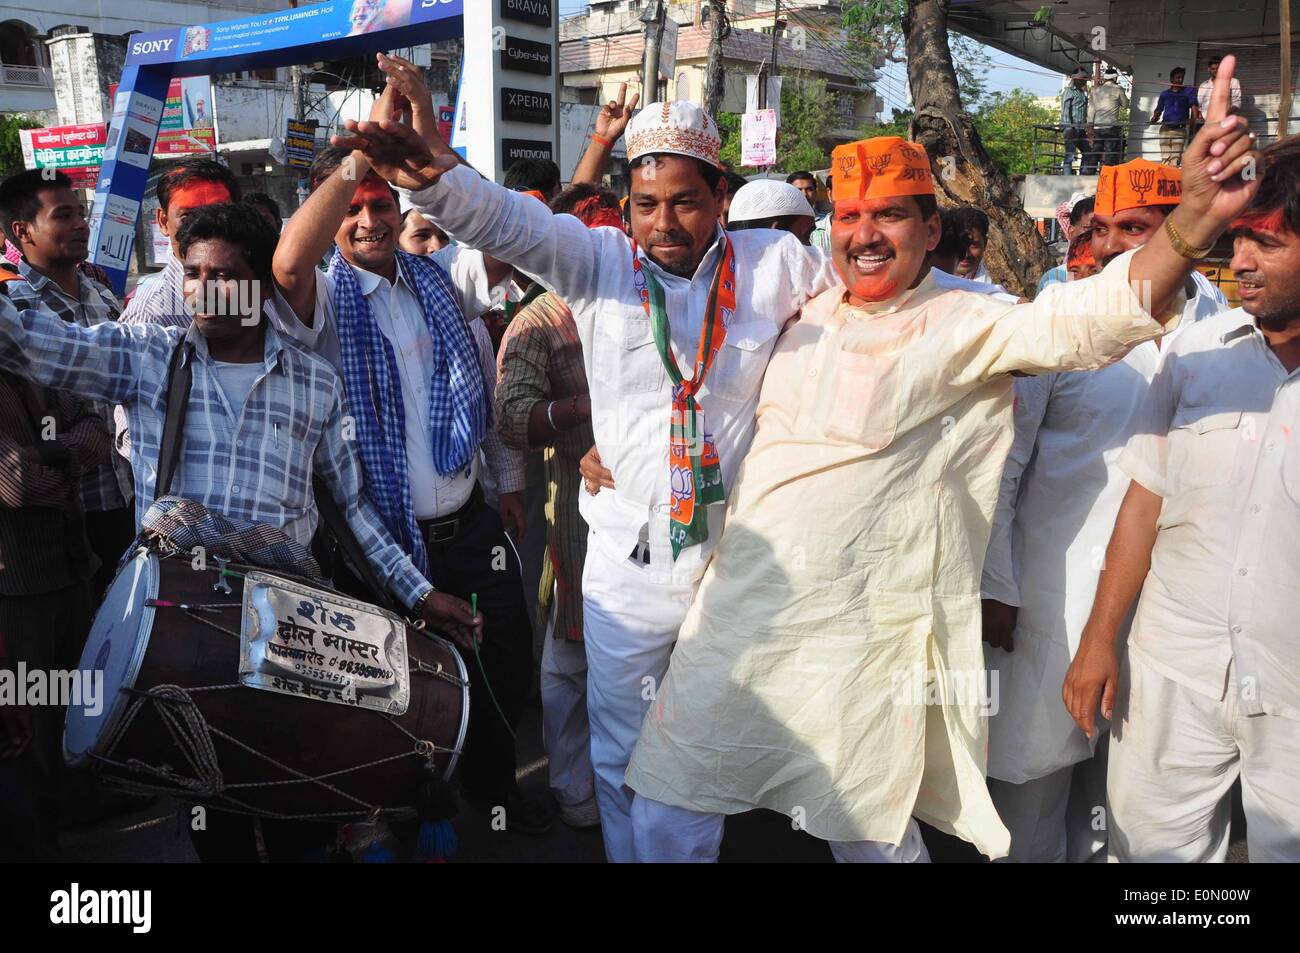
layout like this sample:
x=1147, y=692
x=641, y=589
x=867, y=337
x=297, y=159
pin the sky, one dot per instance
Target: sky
x=1008, y=72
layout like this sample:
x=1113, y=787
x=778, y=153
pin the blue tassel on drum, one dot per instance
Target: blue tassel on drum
x=377, y=853
x=436, y=842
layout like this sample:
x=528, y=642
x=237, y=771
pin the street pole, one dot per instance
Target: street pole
x=1284, y=102
x=714, y=84
x=299, y=111
x=653, y=18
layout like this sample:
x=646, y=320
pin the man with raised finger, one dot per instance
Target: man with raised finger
x=830, y=665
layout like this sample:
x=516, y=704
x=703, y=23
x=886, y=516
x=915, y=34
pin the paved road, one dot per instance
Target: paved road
x=157, y=834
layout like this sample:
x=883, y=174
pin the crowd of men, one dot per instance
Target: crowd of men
x=827, y=522
x=1092, y=120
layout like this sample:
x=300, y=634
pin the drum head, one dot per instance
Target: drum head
x=116, y=646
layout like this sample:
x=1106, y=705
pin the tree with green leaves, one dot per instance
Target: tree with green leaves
x=11, y=147
x=964, y=171
x=808, y=114
x=1006, y=125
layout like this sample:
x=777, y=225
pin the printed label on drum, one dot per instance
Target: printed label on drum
x=302, y=641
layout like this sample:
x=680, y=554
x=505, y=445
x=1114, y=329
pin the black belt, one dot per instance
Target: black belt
x=443, y=529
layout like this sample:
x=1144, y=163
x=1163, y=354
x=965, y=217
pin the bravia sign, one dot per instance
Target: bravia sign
x=527, y=56
x=527, y=11
x=525, y=105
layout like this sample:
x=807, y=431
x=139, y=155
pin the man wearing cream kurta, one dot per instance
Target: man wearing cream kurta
x=849, y=568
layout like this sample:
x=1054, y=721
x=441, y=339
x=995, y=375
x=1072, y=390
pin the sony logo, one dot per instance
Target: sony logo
x=150, y=46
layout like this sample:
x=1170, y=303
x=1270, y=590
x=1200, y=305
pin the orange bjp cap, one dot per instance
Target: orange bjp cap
x=1139, y=183
x=883, y=167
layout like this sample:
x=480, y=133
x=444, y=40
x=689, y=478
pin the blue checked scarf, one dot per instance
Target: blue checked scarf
x=459, y=414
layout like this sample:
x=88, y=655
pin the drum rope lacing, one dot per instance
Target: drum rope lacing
x=192, y=735
x=183, y=720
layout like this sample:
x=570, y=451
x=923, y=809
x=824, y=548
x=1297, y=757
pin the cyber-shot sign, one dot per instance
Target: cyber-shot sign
x=525, y=105
x=278, y=29
x=526, y=56
x=539, y=12
x=513, y=150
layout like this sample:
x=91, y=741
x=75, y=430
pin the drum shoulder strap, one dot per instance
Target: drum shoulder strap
x=179, y=378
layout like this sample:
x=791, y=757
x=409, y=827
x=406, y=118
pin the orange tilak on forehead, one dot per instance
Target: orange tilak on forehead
x=199, y=194
x=371, y=190
x=862, y=206
x=1265, y=222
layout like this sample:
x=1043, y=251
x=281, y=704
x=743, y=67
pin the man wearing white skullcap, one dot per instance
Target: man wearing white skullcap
x=770, y=203
x=676, y=325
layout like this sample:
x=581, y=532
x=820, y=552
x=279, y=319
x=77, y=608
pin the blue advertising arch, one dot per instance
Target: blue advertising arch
x=332, y=30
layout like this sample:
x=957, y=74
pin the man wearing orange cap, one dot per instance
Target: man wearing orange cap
x=1061, y=489
x=830, y=665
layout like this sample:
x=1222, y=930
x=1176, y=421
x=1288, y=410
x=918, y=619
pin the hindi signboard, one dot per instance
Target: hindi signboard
x=758, y=138
x=76, y=151
x=300, y=143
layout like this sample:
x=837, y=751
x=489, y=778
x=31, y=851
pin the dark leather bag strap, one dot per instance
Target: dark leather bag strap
x=179, y=377
x=347, y=540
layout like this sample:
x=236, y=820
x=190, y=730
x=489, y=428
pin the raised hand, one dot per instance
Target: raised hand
x=396, y=152
x=1221, y=165
x=616, y=114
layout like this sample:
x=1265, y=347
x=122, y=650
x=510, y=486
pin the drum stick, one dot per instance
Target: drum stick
x=473, y=604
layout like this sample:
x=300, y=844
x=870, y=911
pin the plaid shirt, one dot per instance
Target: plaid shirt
x=106, y=487
x=541, y=359
x=256, y=466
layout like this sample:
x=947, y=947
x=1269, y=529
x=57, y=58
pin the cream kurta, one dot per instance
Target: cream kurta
x=851, y=562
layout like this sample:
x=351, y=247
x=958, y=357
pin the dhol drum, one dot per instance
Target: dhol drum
x=264, y=694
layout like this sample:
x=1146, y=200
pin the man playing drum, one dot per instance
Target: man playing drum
x=264, y=414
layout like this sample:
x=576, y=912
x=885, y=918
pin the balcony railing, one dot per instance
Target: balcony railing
x=24, y=75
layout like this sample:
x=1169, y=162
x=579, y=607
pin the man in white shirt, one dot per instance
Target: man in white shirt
x=1106, y=105
x=1207, y=87
x=1061, y=489
x=1209, y=532
x=430, y=426
x=648, y=545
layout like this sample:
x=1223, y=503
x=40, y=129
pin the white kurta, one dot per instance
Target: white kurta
x=851, y=561
x=631, y=396
x=1061, y=491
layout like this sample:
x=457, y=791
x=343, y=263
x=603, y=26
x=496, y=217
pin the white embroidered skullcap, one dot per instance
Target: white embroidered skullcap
x=767, y=198
x=681, y=128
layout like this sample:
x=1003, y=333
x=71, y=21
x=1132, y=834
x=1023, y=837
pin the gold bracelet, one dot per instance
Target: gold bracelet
x=1180, y=244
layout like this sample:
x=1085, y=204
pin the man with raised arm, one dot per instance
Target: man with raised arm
x=676, y=325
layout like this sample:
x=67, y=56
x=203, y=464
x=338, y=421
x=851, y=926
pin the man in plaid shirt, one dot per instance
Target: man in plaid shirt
x=264, y=414
x=45, y=219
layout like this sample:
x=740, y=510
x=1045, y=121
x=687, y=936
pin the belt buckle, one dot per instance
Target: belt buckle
x=443, y=531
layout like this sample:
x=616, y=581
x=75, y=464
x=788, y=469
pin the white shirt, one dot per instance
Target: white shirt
x=1060, y=493
x=983, y=286
x=1219, y=439
x=400, y=318
x=1206, y=88
x=591, y=269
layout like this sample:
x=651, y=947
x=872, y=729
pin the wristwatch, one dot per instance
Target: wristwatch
x=424, y=596
x=1180, y=244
